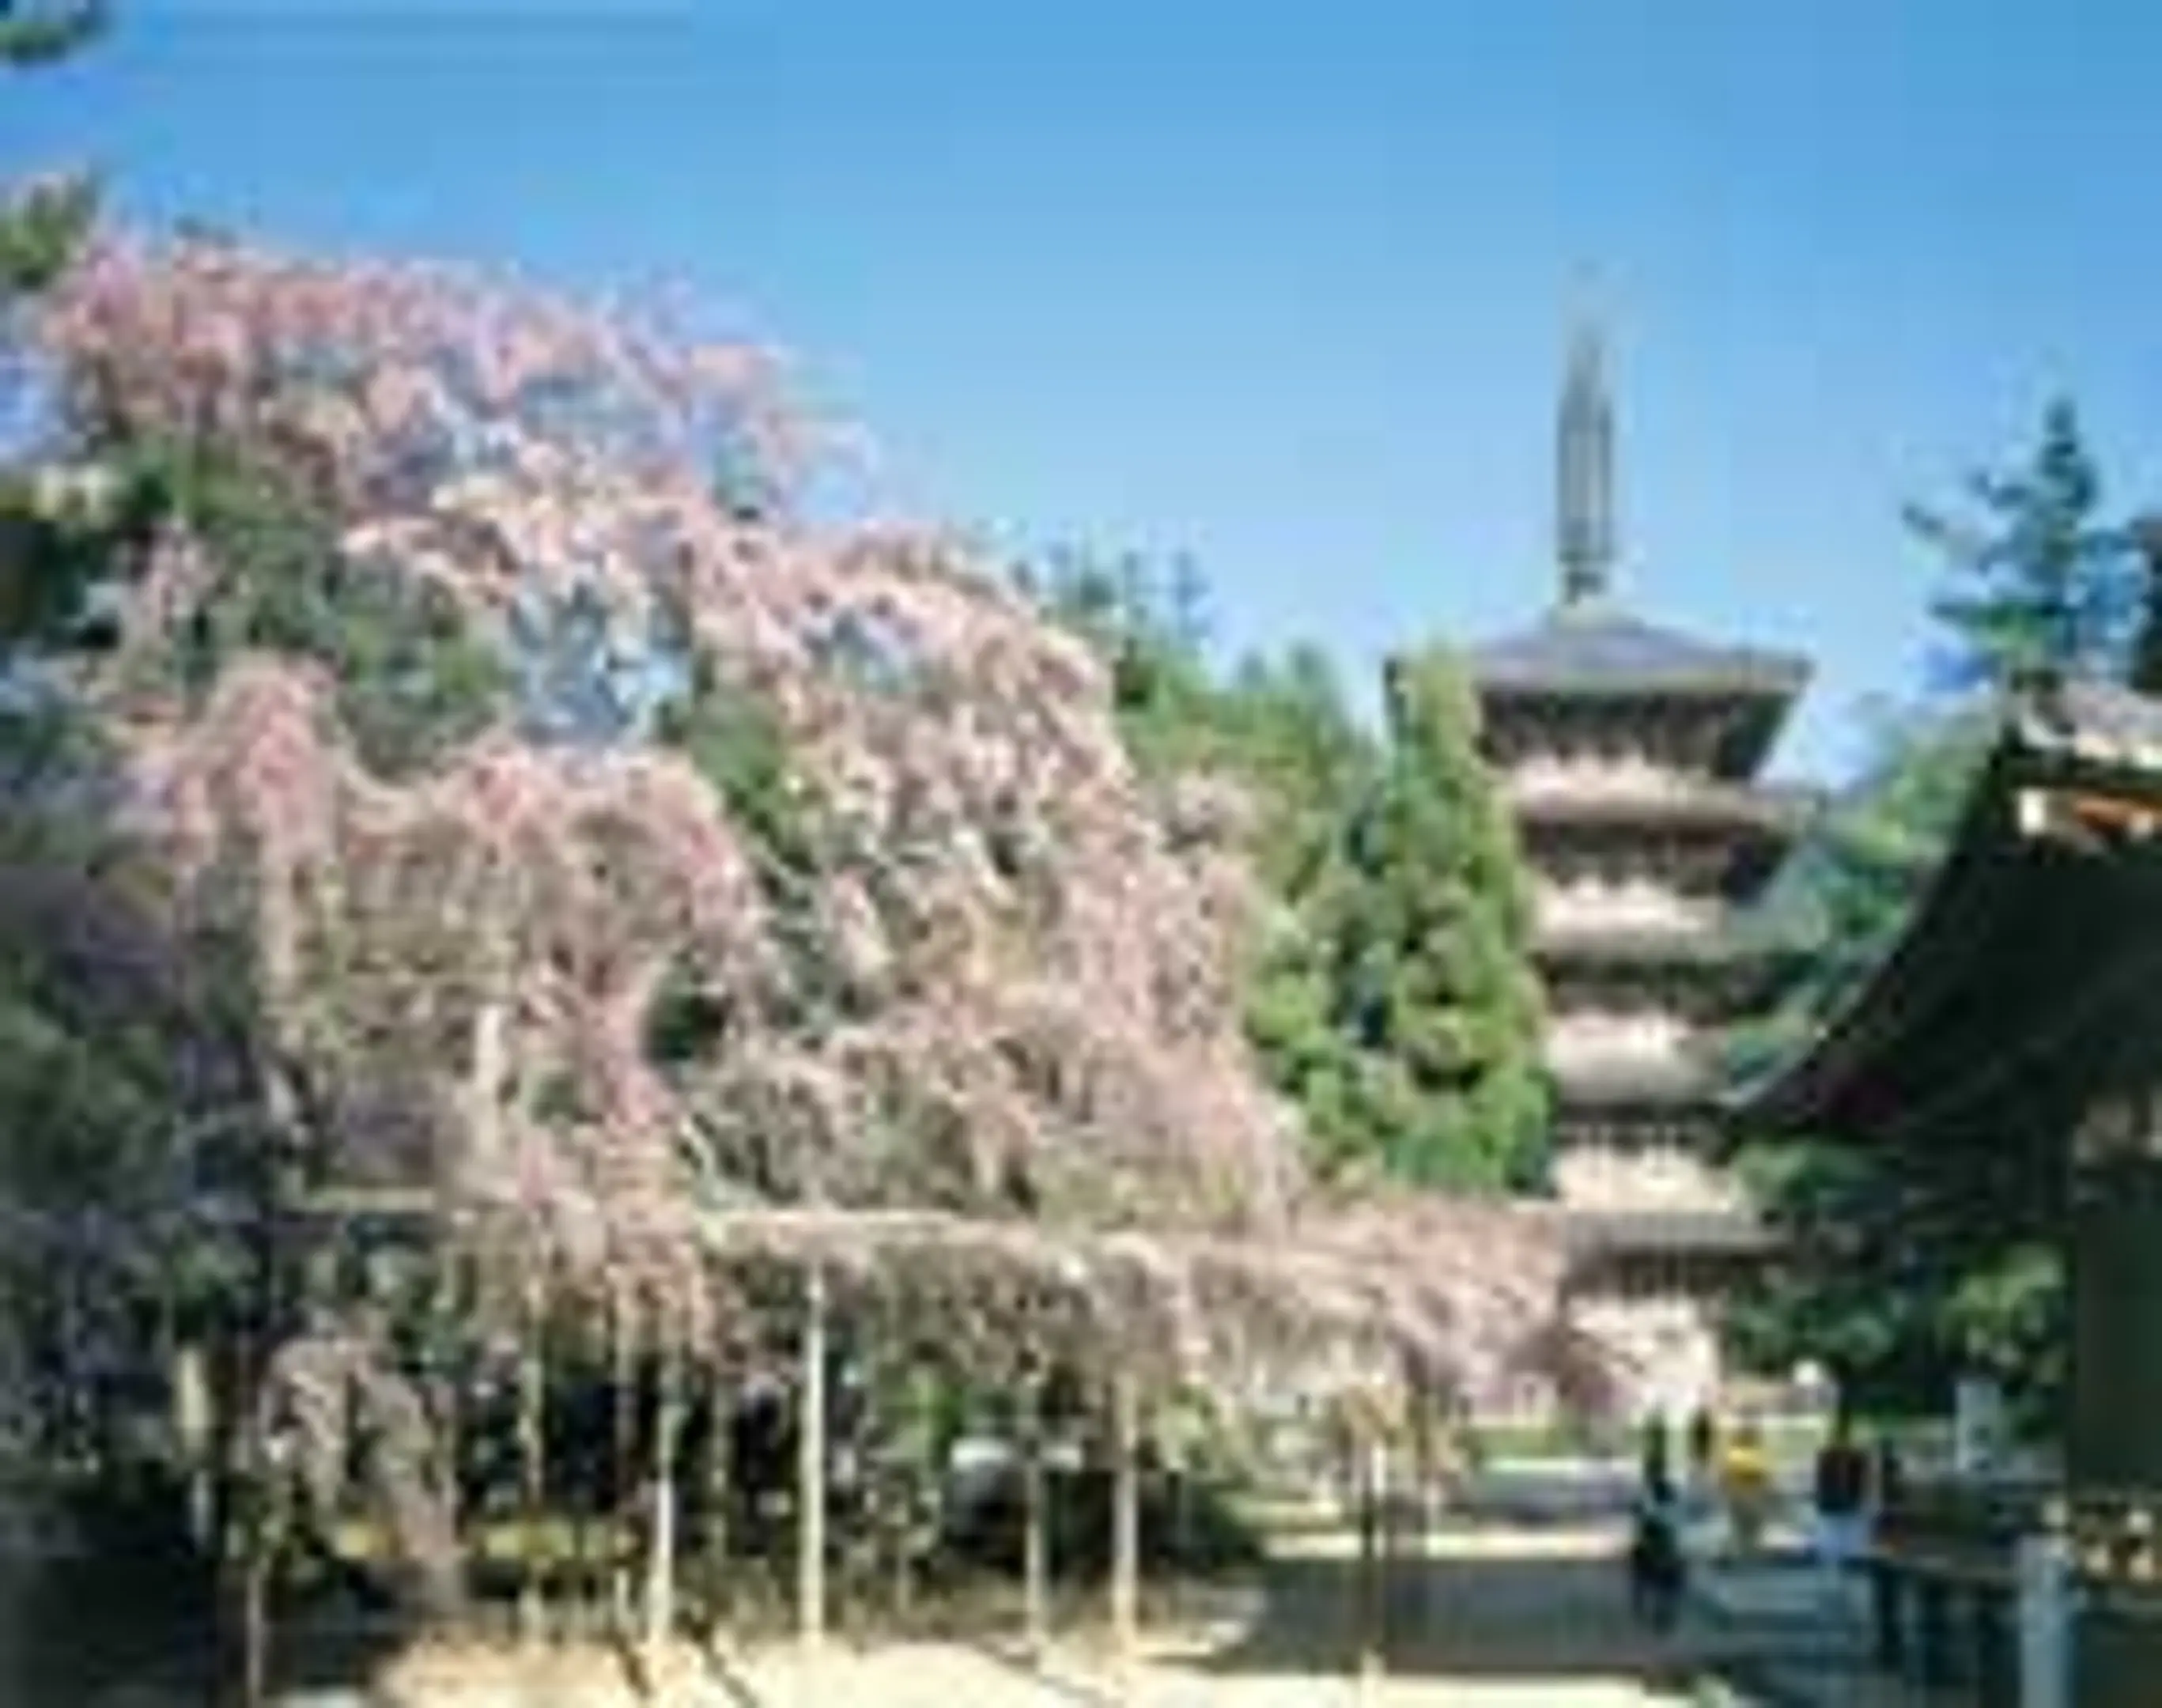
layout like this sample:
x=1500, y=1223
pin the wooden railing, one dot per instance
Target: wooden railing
x=1944, y=1573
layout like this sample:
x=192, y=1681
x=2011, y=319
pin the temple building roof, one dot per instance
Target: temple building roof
x=1728, y=944
x=1611, y=1087
x=2028, y=981
x=1595, y=650
x=1695, y=803
x=1619, y=1233
x=1588, y=651
x=1599, y=1238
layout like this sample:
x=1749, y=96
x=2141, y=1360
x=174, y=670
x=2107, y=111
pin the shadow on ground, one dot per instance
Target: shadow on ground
x=76, y=1633
x=1465, y=1613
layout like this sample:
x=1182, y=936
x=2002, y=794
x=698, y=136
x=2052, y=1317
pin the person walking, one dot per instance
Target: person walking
x=1703, y=1444
x=1841, y=1506
x=1658, y=1571
x=1745, y=1486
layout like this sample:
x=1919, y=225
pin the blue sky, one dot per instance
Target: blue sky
x=1281, y=287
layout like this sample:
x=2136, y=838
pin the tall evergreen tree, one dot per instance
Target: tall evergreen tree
x=1426, y=926
x=2039, y=582
x=1922, y=1271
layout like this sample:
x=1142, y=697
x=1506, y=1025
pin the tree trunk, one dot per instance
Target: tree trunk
x=811, y=1471
x=1125, y=1532
x=532, y=1505
x=661, y=1570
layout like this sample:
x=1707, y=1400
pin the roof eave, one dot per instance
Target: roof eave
x=2052, y=735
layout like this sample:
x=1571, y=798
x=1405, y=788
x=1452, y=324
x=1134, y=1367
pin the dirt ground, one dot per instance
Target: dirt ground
x=1490, y=1619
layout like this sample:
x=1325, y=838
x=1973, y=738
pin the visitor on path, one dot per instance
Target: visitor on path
x=1842, y=1504
x=1655, y=1446
x=1746, y=1484
x=1659, y=1571
x=1701, y=1487
x=1703, y=1444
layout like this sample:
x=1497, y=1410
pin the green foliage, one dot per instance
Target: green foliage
x=1918, y=1267
x=1913, y=1268
x=1423, y=928
x=740, y=747
x=43, y=223
x=1395, y=1006
x=42, y=226
x=42, y=32
x=2039, y=582
x=413, y=681
x=1172, y=712
x=1846, y=894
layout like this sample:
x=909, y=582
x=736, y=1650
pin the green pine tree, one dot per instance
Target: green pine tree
x=1426, y=926
x=2039, y=580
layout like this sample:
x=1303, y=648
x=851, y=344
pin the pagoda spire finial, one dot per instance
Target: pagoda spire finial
x=1584, y=518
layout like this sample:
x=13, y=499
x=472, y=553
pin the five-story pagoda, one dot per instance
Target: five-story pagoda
x=1628, y=754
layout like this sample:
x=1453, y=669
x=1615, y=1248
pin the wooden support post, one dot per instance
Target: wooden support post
x=2114, y=1448
x=1125, y=1532
x=624, y=1334
x=447, y=1391
x=195, y=1428
x=811, y=1473
x=532, y=1506
x=273, y=1289
x=1035, y=1539
x=719, y=1493
x=1371, y=1584
x=660, y=1560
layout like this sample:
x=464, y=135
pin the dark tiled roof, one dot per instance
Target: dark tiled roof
x=1644, y=946
x=1652, y=946
x=1776, y=808
x=2063, y=947
x=1593, y=650
x=2097, y=722
x=1690, y=1087
x=1617, y=1233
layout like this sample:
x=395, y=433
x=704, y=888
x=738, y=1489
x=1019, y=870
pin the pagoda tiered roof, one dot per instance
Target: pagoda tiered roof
x=1695, y=804
x=1595, y=649
x=1690, y=1083
x=1705, y=990
x=1601, y=1238
x=1591, y=653
x=1751, y=850
x=1615, y=1234
x=1724, y=945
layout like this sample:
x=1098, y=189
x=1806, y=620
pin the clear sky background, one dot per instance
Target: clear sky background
x=1283, y=287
